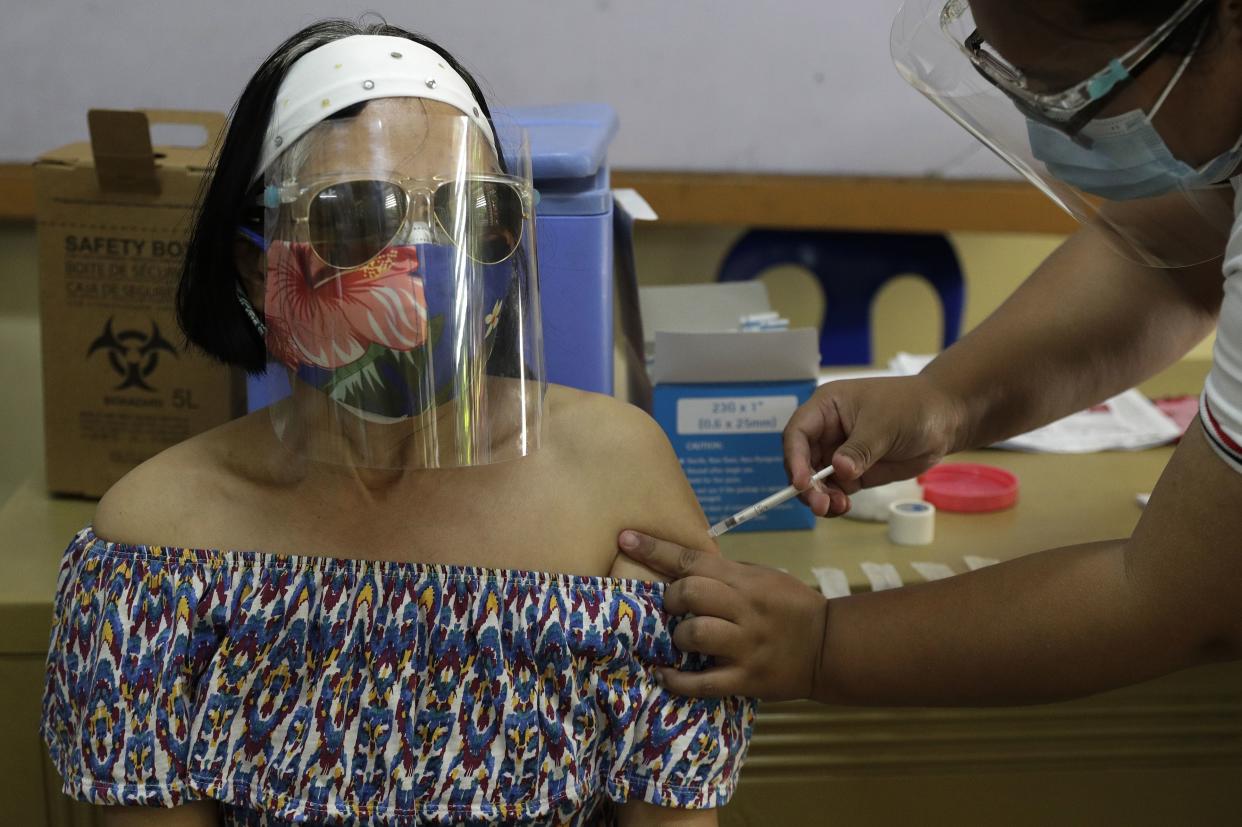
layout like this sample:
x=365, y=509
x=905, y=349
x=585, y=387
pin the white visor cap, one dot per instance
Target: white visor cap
x=360, y=68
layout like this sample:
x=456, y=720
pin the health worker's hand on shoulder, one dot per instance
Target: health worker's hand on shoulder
x=765, y=627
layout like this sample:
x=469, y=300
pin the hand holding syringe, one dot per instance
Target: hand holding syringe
x=750, y=512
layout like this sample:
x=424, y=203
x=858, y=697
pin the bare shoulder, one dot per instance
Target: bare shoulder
x=624, y=445
x=160, y=500
x=602, y=428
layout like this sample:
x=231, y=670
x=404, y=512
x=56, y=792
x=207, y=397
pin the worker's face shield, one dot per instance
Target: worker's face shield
x=1068, y=114
x=401, y=294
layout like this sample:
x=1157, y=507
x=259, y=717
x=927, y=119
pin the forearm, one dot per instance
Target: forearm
x=1041, y=628
x=1086, y=325
x=1059, y=623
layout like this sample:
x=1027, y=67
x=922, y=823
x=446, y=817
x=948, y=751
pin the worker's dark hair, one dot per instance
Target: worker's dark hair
x=1150, y=14
x=207, y=307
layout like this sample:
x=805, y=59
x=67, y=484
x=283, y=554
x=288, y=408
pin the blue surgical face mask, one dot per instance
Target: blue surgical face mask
x=1127, y=158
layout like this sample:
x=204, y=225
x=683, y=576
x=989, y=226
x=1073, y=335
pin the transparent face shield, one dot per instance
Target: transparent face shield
x=1099, y=159
x=401, y=293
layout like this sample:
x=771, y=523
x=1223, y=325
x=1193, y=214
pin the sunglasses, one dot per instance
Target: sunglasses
x=350, y=222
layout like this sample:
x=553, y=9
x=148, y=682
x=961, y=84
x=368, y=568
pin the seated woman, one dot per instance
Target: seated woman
x=393, y=596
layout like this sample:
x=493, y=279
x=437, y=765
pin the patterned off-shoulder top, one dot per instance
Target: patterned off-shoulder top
x=321, y=690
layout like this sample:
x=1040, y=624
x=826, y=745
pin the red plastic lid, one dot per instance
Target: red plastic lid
x=969, y=487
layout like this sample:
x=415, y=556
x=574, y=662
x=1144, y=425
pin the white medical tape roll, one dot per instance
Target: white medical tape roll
x=871, y=504
x=911, y=522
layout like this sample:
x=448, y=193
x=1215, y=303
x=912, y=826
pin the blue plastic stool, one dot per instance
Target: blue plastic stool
x=852, y=268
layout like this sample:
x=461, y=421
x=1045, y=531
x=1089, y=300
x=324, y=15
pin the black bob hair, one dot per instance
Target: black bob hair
x=207, y=307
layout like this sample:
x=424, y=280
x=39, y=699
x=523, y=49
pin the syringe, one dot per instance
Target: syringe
x=750, y=512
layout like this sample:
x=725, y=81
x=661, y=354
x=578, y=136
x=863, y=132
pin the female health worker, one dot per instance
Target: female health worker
x=1128, y=114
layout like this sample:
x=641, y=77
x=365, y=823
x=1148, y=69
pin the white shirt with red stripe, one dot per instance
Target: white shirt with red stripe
x=1220, y=407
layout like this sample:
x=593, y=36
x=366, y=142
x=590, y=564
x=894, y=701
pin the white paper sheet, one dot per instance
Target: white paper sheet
x=769, y=356
x=1127, y=422
x=698, y=308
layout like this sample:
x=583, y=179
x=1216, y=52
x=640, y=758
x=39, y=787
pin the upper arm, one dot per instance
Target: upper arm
x=645, y=487
x=653, y=484
x=1201, y=287
x=1185, y=559
x=120, y=515
x=194, y=814
x=641, y=480
x=1177, y=230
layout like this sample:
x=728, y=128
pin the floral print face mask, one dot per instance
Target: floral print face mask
x=389, y=339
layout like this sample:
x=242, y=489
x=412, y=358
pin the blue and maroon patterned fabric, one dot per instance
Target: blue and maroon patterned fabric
x=311, y=689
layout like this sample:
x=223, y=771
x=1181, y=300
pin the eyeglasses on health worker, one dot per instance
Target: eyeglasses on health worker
x=1128, y=114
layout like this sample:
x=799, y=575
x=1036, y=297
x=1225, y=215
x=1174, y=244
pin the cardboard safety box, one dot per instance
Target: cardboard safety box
x=724, y=396
x=113, y=218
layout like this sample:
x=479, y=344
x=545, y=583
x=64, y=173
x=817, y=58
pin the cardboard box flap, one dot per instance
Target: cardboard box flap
x=699, y=308
x=770, y=356
x=121, y=144
x=66, y=156
x=195, y=158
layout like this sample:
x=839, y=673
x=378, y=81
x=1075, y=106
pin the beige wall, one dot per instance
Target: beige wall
x=906, y=315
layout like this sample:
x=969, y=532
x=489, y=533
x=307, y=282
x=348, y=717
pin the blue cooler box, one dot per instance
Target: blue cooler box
x=569, y=149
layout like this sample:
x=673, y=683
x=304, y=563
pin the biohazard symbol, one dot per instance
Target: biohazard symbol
x=133, y=355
